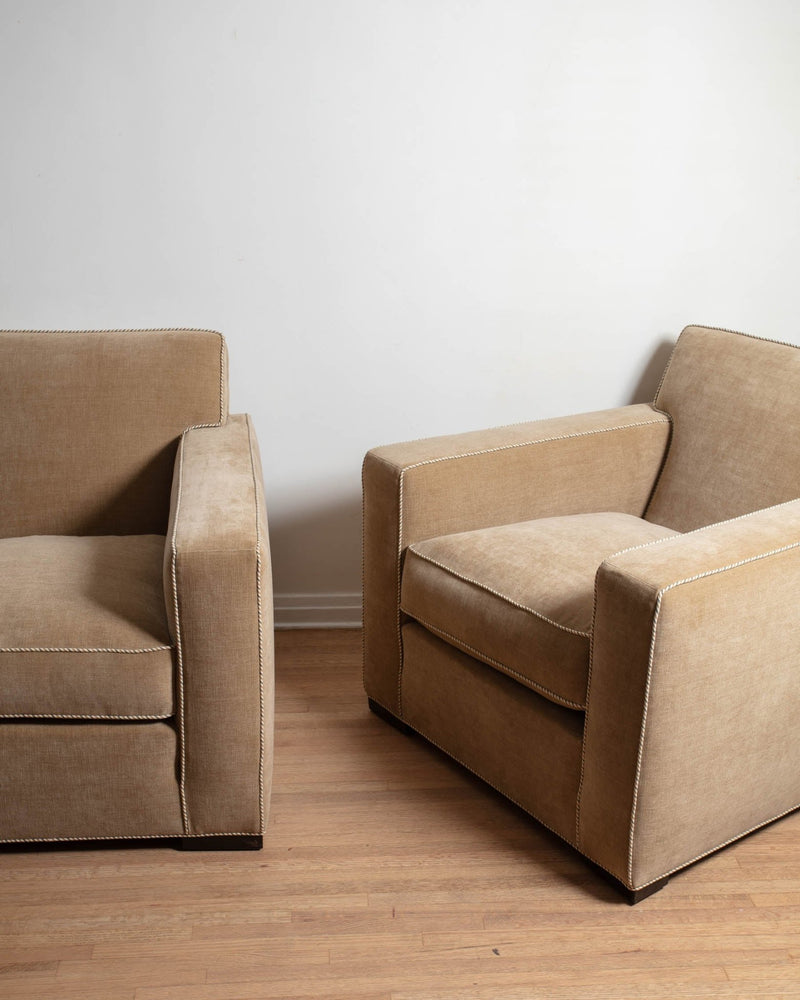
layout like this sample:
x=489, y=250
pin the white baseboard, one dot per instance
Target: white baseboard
x=318, y=610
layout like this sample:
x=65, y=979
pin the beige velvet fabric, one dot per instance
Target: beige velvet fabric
x=691, y=731
x=219, y=599
x=607, y=460
x=735, y=404
x=83, y=628
x=520, y=596
x=520, y=743
x=90, y=780
x=91, y=421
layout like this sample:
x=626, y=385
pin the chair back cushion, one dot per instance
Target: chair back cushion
x=91, y=424
x=734, y=401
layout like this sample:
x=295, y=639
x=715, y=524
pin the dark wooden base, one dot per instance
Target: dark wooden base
x=635, y=896
x=386, y=715
x=226, y=842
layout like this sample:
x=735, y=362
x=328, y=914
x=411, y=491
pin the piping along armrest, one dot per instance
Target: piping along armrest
x=218, y=590
x=691, y=726
x=608, y=460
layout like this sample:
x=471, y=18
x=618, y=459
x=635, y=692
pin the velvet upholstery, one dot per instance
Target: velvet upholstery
x=423, y=489
x=505, y=584
x=498, y=593
x=136, y=677
x=91, y=425
x=83, y=627
x=727, y=456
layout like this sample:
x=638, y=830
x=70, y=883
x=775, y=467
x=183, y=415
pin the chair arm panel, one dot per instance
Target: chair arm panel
x=218, y=591
x=608, y=460
x=692, y=735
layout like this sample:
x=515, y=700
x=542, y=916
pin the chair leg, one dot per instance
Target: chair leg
x=222, y=842
x=635, y=896
x=386, y=715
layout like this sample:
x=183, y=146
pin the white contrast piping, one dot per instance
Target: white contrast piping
x=79, y=649
x=128, y=836
x=98, y=718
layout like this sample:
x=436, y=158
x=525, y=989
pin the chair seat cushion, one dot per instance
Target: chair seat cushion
x=520, y=597
x=83, y=628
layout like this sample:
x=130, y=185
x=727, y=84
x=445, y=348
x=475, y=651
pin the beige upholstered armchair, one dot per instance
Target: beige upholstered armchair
x=135, y=594
x=598, y=614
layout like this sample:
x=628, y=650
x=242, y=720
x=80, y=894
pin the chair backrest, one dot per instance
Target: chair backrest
x=734, y=401
x=91, y=425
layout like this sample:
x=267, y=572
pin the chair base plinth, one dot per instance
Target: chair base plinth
x=221, y=842
x=635, y=896
x=386, y=715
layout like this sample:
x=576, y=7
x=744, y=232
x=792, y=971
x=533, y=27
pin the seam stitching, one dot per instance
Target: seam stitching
x=128, y=836
x=64, y=715
x=80, y=649
x=496, y=593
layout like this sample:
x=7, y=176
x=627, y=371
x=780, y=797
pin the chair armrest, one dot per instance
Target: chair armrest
x=218, y=591
x=691, y=733
x=608, y=460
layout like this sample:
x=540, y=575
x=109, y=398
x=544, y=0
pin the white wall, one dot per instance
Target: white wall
x=408, y=216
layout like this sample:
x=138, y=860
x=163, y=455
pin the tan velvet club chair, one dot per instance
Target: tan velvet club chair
x=598, y=614
x=136, y=670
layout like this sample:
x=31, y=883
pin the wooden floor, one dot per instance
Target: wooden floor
x=389, y=874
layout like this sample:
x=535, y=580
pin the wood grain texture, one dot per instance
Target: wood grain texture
x=388, y=873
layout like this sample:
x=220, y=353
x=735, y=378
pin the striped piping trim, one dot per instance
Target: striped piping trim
x=81, y=649
x=471, y=454
x=496, y=593
x=98, y=718
x=127, y=836
x=137, y=329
